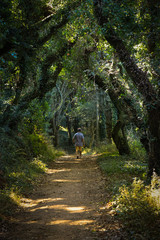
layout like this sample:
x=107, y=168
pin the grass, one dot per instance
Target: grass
x=120, y=169
x=132, y=199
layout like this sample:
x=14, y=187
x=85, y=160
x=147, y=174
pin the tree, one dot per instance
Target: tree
x=139, y=77
x=26, y=28
x=42, y=40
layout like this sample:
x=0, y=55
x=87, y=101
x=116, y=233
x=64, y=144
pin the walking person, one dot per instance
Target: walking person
x=78, y=139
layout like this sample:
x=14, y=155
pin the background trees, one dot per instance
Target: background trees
x=92, y=63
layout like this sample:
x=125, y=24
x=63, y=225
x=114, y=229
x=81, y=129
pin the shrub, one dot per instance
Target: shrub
x=139, y=209
x=39, y=145
x=24, y=158
x=109, y=149
x=8, y=202
x=137, y=149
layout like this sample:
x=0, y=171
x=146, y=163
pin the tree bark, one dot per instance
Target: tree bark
x=154, y=140
x=109, y=125
x=120, y=139
x=92, y=133
x=55, y=131
x=118, y=133
x=97, y=116
x=69, y=125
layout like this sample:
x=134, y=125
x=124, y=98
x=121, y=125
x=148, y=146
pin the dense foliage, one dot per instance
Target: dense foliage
x=65, y=64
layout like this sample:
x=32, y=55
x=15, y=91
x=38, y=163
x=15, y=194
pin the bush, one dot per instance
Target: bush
x=40, y=146
x=24, y=158
x=109, y=149
x=139, y=209
x=8, y=202
x=137, y=150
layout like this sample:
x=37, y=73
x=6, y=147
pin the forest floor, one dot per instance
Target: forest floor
x=70, y=204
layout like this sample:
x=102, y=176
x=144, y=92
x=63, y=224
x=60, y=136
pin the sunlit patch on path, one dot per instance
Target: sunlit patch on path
x=71, y=222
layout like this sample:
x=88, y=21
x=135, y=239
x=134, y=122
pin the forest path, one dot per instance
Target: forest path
x=68, y=206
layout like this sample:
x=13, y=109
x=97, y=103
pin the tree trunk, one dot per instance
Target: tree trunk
x=102, y=126
x=120, y=139
x=109, y=124
x=69, y=130
x=97, y=116
x=92, y=133
x=154, y=140
x=55, y=131
x=144, y=141
x=75, y=124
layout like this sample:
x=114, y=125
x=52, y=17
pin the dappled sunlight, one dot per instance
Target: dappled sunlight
x=75, y=161
x=66, y=180
x=71, y=222
x=75, y=209
x=51, y=171
x=66, y=156
x=30, y=203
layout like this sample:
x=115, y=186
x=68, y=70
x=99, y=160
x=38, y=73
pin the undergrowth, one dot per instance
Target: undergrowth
x=135, y=202
x=24, y=159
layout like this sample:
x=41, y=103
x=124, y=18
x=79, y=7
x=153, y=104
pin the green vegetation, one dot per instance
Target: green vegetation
x=134, y=201
x=139, y=209
x=93, y=64
x=24, y=161
x=69, y=64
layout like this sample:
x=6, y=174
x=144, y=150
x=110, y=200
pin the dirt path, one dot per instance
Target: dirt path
x=67, y=206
